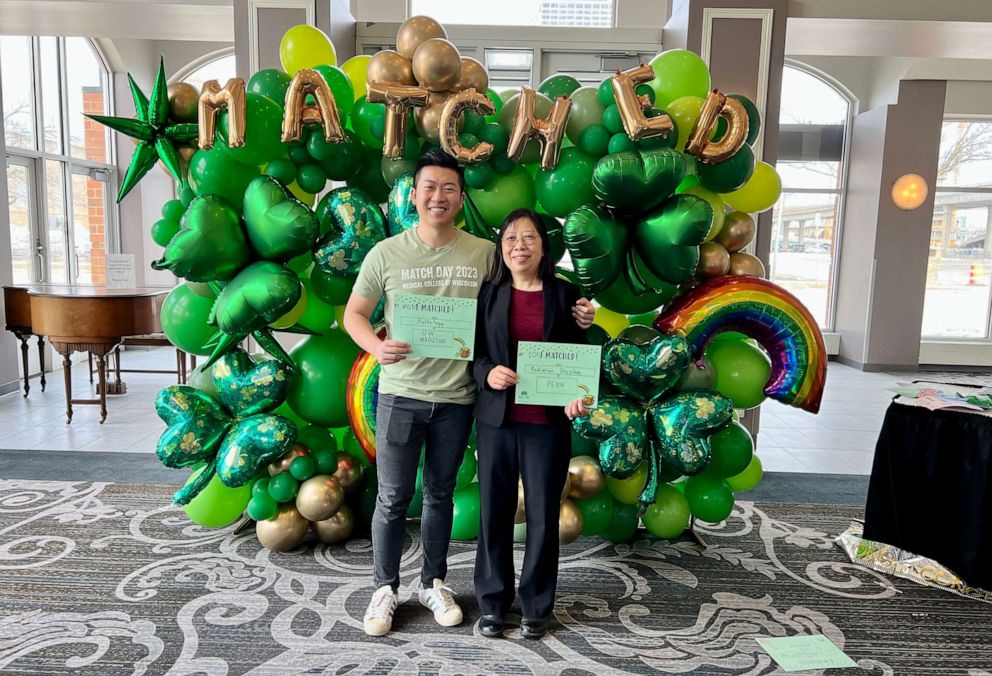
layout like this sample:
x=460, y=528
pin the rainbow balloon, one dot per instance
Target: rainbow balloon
x=361, y=398
x=769, y=314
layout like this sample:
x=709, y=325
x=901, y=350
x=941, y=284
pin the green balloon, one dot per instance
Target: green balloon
x=366, y=119
x=622, y=526
x=542, y=106
x=394, y=169
x=479, y=176
x=216, y=505
x=594, y=140
x=638, y=180
x=620, y=142
x=668, y=237
x=311, y=178
x=298, y=152
x=262, y=507
x=263, y=131
x=621, y=297
x=363, y=502
x=753, y=117
x=556, y=237
x=467, y=470
x=215, y=172
x=612, y=120
x=303, y=467
x=173, y=210
x=368, y=177
x=465, y=517
x=318, y=316
x=679, y=72
x=280, y=227
x=323, y=363
x=286, y=412
x=596, y=513
x=260, y=294
x=605, y=92
x=668, y=516
x=742, y=371
x=730, y=174
x=184, y=320
x=343, y=160
x=327, y=461
x=247, y=387
x=558, y=85
x=597, y=244
x=341, y=88
x=564, y=188
x=283, y=487
x=353, y=224
x=282, y=169
x=493, y=96
x=332, y=289
x=301, y=263
x=163, y=231
x=496, y=135
x=260, y=487
x=211, y=245
x=698, y=378
x=667, y=140
x=749, y=478
x=502, y=164
x=584, y=446
x=472, y=122
x=318, y=439
x=586, y=110
x=271, y=83
x=730, y=451
x=710, y=498
x=503, y=195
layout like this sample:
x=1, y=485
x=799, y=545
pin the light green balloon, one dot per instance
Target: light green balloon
x=586, y=110
x=685, y=111
x=506, y=193
x=217, y=505
x=678, y=72
x=749, y=478
x=668, y=516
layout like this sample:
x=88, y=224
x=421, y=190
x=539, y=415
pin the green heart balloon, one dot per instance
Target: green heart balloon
x=252, y=443
x=195, y=425
x=636, y=180
x=684, y=424
x=401, y=212
x=260, y=294
x=643, y=363
x=620, y=425
x=597, y=243
x=668, y=238
x=279, y=226
x=353, y=225
x=211, y=245
x=247, y=387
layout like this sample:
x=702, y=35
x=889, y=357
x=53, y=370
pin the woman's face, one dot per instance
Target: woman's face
x=522, y=249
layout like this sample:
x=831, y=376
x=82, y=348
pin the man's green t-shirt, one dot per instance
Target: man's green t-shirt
x=404, y=264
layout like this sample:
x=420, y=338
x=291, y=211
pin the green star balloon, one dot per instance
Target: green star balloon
x=156, y=138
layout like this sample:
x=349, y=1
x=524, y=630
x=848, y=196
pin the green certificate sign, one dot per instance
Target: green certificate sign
x=556, y=374
x=437, y=327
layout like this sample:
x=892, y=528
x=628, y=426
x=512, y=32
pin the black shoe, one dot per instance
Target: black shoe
x=491, y=626
x=534, y=627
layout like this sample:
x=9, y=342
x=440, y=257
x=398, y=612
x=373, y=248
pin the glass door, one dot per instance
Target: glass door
x=26, y=242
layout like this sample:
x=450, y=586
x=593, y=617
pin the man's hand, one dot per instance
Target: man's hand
x=584, y=312
x=576, y=409
x=391, y=351
x=501, y=378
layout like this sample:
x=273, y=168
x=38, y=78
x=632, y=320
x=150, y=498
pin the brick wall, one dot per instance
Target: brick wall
x=96, y=150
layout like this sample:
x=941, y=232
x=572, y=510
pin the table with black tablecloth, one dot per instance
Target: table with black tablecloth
x=931, y=488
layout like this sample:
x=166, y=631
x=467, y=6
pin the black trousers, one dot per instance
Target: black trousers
x=538, y=454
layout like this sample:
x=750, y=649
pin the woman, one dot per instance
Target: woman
x=521, y=300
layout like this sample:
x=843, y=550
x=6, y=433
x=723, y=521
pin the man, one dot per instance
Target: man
x=420, y=400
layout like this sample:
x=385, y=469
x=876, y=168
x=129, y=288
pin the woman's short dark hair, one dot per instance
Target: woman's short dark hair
x=439, y=158
x=546, y=269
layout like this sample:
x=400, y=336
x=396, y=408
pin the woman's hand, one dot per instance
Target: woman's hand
x=584, y=312
x=391, y=351
x=576, y=409
x=501, y=378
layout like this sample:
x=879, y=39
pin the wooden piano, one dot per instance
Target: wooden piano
x=81, y=319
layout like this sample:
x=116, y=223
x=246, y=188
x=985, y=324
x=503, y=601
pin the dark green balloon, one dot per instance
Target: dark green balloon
x=479, y=176
x=163, y=231
x=597, y=243
x=311, y=178
x=283, y=487
x=260, y=294
x=318, y=390
x=262, y=507
x=596, y=512
x=564, y=188
x=303, y=467
x=668, y=237
x=271, y=83
x=623, y=523
x=621, y=297
x=281, y=169
x=501, y=163
x=173, y=210
x=341, y=161
x=556, y=236
x=332, y=289
x=368, y=177
x=605, y=92
x=353, y=224
x=753, y=117
x=260, y=487
x=214, y=172
x=465, y=517
x=709, y=498
x=620, y=142
x=211, y=246
x=341, y=88
x=467, y=470
x=280, y=227
x=368, y=120
x=497, y=103
x=667, y=140
x=730, y=174
x=637, y=180
x=263, y=131
x=583, y=446
x=298, y=153
x=247, y=387
x=558, y=85
x=612, y=120
x=594, y=140
x=731, y=450
x=496, y=135
x=473, y=122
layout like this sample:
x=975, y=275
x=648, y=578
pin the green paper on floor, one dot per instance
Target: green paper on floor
x=799, y=653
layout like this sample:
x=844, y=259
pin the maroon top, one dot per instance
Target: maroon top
x=526, y=323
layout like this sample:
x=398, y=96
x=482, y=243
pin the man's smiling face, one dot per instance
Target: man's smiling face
x=438, y=196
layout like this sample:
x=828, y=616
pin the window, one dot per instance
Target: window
x=59, y=163
x=957, y=301
x=586, y=13
x=220, y=68
x=814, y=125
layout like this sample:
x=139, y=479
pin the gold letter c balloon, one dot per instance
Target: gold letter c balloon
x=453, y=107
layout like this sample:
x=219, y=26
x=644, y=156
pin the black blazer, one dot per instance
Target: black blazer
x=492, y=341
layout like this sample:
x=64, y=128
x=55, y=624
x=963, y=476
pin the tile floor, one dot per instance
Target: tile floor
x=839, y=440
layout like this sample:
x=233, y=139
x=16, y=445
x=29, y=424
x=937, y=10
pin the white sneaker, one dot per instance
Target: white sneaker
x=441, y=600
x=379, y=615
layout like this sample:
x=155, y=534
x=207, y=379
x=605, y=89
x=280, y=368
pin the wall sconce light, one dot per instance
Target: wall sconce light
x=909, y=191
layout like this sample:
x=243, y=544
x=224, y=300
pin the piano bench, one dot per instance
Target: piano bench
x=151, y=340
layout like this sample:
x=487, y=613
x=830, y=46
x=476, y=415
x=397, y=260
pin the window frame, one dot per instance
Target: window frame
x=105, y=172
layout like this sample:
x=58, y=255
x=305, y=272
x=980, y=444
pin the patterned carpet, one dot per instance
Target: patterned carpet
x=100, y=578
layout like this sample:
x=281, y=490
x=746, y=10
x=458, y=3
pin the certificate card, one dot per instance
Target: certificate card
x=437, y=327
x=556, y=374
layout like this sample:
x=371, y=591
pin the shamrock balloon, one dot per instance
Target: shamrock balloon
x=236, y=438
x=643, y=363
x=279, y=226
x=211, y=245
x=637, y=180
x=401, y=212
x=684, y=424
x=353, y=224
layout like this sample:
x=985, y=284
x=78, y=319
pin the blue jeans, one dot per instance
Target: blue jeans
x=403, y=427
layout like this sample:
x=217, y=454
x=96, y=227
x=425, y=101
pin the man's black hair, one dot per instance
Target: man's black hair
x=439, y=158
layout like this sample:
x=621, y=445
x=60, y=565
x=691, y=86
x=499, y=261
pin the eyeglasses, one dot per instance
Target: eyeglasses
x=528, y=240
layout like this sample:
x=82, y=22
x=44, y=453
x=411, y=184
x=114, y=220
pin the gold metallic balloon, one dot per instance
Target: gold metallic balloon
x=714, y=261
x=281, y=465
x=548, y=131
x=428, y=118
x=319, y=497
x=586, y=477
x=390, y=66
x=212, y=100
x=415, y=31
x=451, y=121
x=398, y=98
x=473, y=76
x=737, y=231
x=183, y=102
x=631, y=106
x=746, y=264
x=711, y=152
x=566, y=488
x=283, y=531
x=569, y=523
x=349, y=471
x=337, y=528
x=521, y=515
x=308, y=81
x=437, y=65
